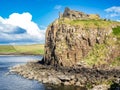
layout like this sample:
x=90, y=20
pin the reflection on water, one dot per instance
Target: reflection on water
x=16, y=82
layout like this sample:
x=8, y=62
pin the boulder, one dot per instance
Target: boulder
x=100, y=87
x=64, y=78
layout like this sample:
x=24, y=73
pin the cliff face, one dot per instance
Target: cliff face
x=86, y=42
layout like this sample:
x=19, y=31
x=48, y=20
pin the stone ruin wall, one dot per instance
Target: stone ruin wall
x=76, y=15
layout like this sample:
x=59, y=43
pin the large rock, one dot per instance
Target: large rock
x=67, y=44
x=100, y=87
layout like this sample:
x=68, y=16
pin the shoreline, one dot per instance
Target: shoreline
x=21, y=55
x=77, y=76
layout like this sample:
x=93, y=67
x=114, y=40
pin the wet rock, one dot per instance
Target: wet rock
x=54, y=80
x=30, y=77
x=67, y=83
x=39, y=79
x=51, y=75
x=72, y=77
x=72, y=82
x=64, y=78
x=78, y=83
x=100, y=87
x=45, y=80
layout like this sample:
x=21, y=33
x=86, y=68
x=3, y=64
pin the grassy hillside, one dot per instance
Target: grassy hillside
x=36, y=49
x=89, y=23
x=6, y=49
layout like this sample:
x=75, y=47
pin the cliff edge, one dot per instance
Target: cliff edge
x=72, y=40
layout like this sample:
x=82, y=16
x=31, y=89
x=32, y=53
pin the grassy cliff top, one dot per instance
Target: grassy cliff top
x=91, y=23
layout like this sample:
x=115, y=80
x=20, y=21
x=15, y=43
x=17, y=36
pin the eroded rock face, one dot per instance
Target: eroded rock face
x=66, y=44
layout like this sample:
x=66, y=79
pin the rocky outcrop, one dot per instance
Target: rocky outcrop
x=68, y=44
x=77, y=76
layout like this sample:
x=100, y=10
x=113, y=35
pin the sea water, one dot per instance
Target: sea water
x=16, y=82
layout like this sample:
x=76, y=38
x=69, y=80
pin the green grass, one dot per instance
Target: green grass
x=35, y=49
x=100, y=51
x=116, y=61
x=97, y=55
x=89, y=23
x=116, y=31
x=7, y=49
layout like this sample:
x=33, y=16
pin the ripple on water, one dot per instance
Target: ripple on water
x=16, y=82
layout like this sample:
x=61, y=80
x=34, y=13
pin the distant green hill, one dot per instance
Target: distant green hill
x=36, y=49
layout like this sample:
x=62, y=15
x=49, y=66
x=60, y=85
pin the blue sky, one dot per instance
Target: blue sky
x=25, y=21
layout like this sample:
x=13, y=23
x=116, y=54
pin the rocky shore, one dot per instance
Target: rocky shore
x=76, y=75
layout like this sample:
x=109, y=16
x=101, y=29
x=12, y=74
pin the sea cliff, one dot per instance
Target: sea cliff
x=75, y=38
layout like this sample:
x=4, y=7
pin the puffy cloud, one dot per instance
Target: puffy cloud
x=113, y=11
x=19, y=28
x=58, y=7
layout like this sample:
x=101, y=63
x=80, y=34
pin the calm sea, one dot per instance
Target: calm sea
x=16, y=82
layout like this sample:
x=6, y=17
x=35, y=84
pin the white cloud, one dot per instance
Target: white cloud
x=114, y=15
x=118, y=20
x=19, y=28
x=113, y=11
x=58, y=7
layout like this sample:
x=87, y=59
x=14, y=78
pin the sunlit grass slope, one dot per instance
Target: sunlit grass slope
x=36, y=49
x=89, y=23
